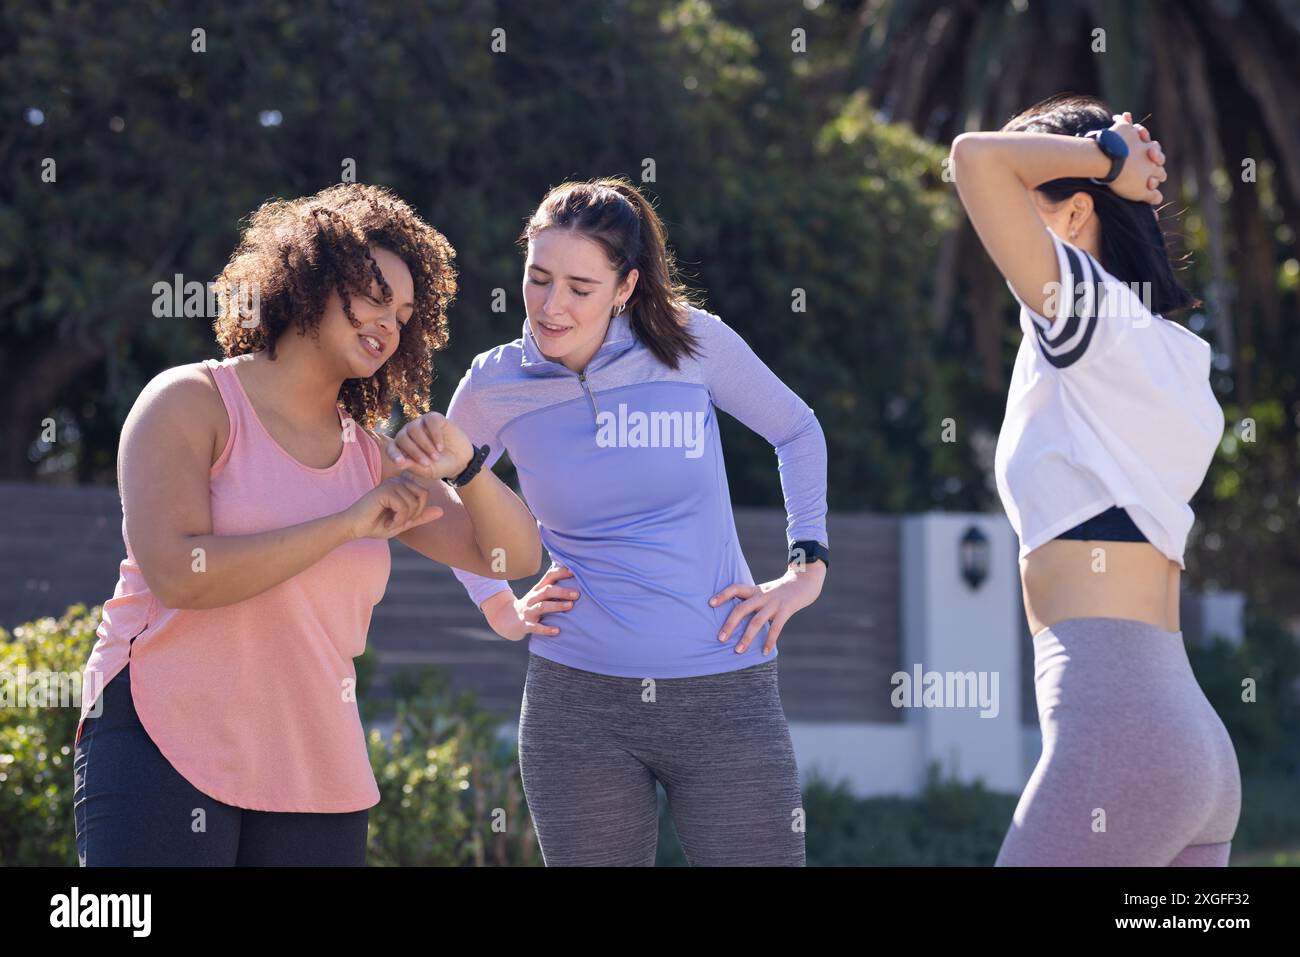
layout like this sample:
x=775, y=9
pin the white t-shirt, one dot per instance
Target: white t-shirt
x=1108, y=405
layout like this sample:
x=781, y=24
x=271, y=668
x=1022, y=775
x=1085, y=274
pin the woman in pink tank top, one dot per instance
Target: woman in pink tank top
x=219, y=724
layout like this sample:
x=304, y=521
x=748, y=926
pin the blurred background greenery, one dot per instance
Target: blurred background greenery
x=776, y=171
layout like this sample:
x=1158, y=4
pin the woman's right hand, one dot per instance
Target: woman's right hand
x=515, y=620
x=390, y=508
x=1144, y=169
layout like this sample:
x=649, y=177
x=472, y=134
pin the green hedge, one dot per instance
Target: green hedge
x=948, y=824
x=450, y=791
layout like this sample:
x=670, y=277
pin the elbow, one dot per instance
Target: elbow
x=810, y=430
x=966, y=143
x=532, y=562
x=176, y=590
x=511, y=564
x=969, y=149
x=170, y=592
x=962, y=143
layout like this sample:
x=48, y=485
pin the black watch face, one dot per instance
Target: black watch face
x=1112, y=144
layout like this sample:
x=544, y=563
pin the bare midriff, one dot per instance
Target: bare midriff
x=1066, y=578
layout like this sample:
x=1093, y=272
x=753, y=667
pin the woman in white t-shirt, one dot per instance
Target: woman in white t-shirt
x=1110, y=426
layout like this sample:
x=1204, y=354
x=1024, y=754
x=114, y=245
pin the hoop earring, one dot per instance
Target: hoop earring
x=619, y=311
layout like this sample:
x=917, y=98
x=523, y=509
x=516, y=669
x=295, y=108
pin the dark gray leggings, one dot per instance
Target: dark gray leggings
x=592, y=746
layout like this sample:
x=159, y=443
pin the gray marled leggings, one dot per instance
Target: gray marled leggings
x=591, y=747
x=1137, y=769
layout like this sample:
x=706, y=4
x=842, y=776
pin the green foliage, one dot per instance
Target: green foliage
x=1250, y=505
x=442, y=772
x=1270, y=815
x=36, y=740
x=947, y=824
x=449, y=787
x=770, y=179
x=1263, y=723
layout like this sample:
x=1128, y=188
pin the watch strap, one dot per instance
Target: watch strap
x=1116, y=162
x=809, y=551
x=475, y=464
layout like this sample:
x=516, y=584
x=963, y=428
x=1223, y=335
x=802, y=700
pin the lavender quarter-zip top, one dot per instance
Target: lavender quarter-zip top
x=622, y=466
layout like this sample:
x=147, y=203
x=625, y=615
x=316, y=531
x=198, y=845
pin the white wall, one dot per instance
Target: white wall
x=948, y=627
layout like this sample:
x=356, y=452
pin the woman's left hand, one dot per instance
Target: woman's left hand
x=774, y=601
x=432, y=446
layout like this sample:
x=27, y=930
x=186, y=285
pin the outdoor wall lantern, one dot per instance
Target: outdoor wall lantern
x=974, y=557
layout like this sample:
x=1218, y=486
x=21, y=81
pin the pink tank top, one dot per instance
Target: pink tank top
x=254, y=703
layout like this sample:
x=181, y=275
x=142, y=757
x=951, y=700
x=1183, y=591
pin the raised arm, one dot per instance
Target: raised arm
x=485, y=528
x=492, y=536
x=995, y=173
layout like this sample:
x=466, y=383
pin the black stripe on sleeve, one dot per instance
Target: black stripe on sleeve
x=1083, y=312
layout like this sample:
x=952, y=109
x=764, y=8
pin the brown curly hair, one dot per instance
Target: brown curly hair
x=294, y=252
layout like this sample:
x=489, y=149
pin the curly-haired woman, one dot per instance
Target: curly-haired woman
x=256, y=511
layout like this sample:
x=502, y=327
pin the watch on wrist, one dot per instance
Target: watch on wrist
x=804, y=552
x=1113, y=146
x=475, y=464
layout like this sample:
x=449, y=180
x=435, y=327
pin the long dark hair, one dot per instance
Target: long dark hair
x=1132, y=243
x=613, y=213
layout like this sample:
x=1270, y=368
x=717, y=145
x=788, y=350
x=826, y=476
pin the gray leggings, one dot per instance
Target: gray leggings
x=592, y=746
x=1137, y=769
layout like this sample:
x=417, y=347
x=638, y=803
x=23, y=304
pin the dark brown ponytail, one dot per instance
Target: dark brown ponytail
x=612, y=212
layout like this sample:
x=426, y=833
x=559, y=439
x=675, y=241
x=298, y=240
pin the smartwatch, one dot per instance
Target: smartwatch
x=475, y=463
x=809, y=551
x=1112, y=145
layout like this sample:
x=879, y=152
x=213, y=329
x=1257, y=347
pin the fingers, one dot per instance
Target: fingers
x=431, y=425
x=557, y=593
x=547, y=607
x=755, y=625
x=737, y=590
x=537, y=628
x=429, y=514
x=769, y=644
x=763, y=617
x=406, y=499
x=747, y=607
x=553, y=575
x=552, y=598
x=394, y=452
x=412, y=454
x=399, y=500
x=415, y=441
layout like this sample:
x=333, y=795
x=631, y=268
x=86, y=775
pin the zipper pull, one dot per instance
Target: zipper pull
x=582, y=377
